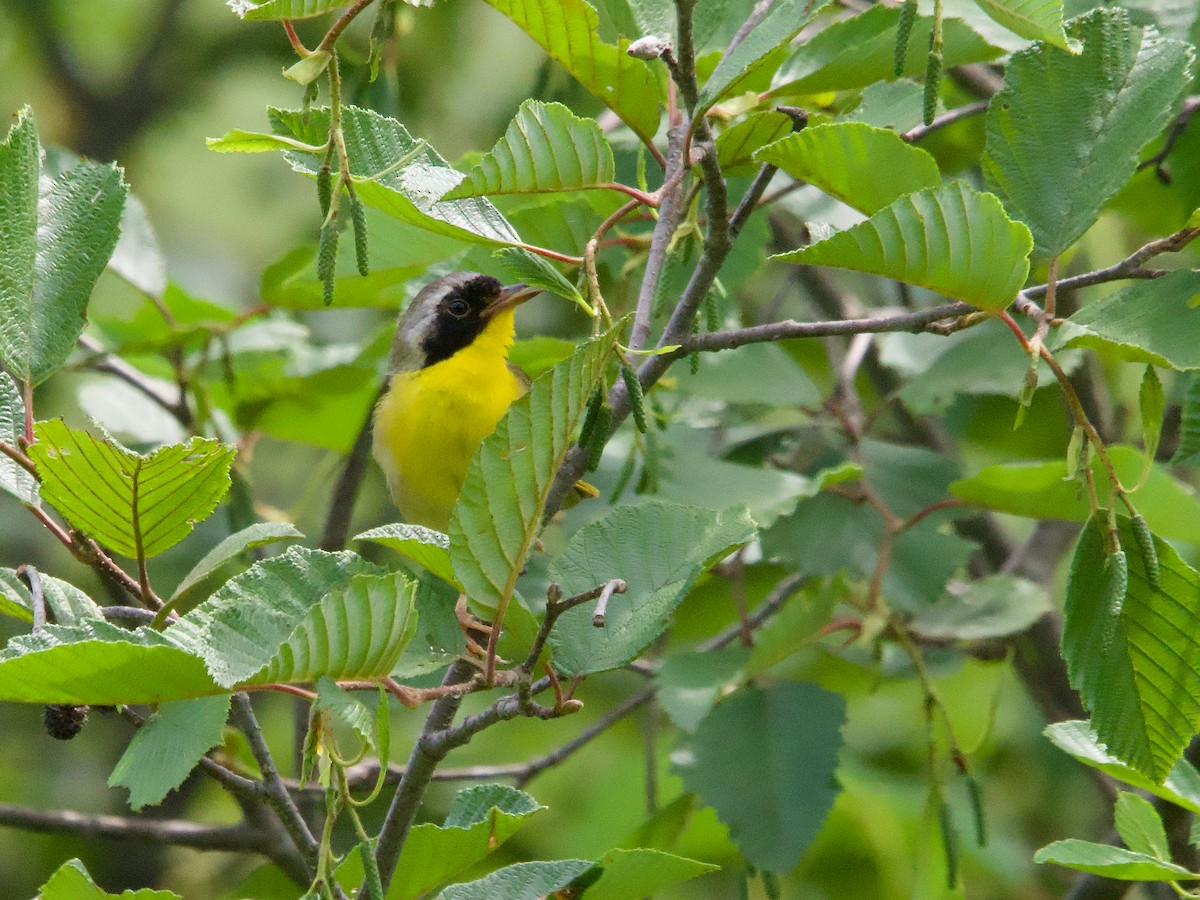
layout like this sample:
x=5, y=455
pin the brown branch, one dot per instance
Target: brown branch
x=335, y=31
x=1191, y=105
x=110, y=364
x=240, y=838
x=947, y=118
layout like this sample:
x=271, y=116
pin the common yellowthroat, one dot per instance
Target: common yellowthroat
x=449, y=383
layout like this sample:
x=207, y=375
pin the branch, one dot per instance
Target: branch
x=947, y=118
x=422, y=762
x=1191, y=106
x=242, y=714
x=111, y=364
x=1129, y=267
x=776, y=331
x=240, y=838
x=345, y=490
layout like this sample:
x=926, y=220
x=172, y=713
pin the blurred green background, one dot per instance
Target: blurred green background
x=144, y=82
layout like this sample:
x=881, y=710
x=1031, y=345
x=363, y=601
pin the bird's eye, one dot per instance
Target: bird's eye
x=458, y=307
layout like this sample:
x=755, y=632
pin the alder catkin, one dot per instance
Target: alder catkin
x=327, y=257
x=949, y=843
x=637, y=400
x=933, y=82
x=1116, y=586
x=977, y=811
x=1145, y=542
x=589, y=417
x=599, y=437
x=904, y=27
x=324, y=189
x=358, y=217
x=371, y=881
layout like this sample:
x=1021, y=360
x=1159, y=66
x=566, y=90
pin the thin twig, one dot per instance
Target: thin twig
x=947, y=118
x=339, y=26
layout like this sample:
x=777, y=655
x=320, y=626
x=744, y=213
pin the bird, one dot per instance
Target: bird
x=449, y=382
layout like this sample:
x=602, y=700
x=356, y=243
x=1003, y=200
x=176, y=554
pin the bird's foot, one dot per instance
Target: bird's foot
x=477, y=632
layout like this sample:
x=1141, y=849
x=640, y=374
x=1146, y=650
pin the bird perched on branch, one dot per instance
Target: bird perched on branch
x=449, y=383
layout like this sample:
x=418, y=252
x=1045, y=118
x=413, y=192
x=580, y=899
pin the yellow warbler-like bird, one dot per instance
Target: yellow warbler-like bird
x=449, y=383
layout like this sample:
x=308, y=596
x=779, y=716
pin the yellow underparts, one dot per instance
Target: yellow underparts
x=431, y=421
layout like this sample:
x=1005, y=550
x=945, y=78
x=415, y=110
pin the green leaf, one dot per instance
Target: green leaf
x=95, y=663
x=690, y=682
x=764, y=760
x=1038, y=20
x=736, y=145
x=72, y=882
x=282, y=9
x=65, y=603
x=993, y=607
x=950, y=239
x=301, y=615
x=14, y=479
x=422, y=545
x=137, y=505
x=860, y=51
x=538, y=271
x=1188, y=451
x=439, y=639
x=260, y=534
x=238, y=141
x=499, y=509
x=897, y=105
x=783, y=21
x=167, y=748
x=1076, y=738
x=395, y=173
x=865, y=167
x=1040, y=490
x=56, y=235
x=523, y=881
x=567, y=31
x=1139, y=675
x=642, y=872
x=546, y=148
x=687, y=540
x=1140, y=826
x=1151, y=322
x=1073, y=127
x=1109, y=861
x=1152, y=403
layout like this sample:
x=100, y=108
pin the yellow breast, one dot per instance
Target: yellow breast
x=431, y=421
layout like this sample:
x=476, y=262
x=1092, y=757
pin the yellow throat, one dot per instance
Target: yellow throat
x=431, y=421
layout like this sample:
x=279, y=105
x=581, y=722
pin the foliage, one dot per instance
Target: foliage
x=816, y=556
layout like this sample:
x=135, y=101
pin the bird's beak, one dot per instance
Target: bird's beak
x=513, y=295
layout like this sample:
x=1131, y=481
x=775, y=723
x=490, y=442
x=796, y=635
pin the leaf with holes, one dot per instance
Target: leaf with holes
x=567, y=30
x=301, y=615
x=782, y=22
x=950, y=239
x=863, y=166
x=1038, y=20
x=1139, y=675
x=546, y=148
x=282, y=9
x=136, y=504
x=14, y=478
x=1065, y=133
x=395, y=173
x=56, y=236
x=499, y=510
